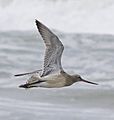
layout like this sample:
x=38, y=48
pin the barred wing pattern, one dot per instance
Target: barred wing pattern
x=54, y=50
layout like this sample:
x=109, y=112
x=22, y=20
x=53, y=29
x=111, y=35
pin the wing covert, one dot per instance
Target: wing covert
x=53, y=52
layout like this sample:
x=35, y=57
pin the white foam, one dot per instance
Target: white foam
x=69, y=16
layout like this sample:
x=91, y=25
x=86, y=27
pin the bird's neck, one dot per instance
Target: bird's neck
x=74, y=79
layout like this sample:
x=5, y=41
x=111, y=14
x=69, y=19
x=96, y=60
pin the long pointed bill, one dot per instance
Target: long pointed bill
x=89, y=82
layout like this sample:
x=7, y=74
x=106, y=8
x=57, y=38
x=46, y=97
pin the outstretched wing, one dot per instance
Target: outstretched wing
x=28, y=73
x=53, y=52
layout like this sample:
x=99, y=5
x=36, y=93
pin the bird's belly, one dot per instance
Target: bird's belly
x=55, y=81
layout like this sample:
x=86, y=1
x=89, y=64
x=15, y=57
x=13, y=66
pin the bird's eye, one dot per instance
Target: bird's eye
x=79, y=77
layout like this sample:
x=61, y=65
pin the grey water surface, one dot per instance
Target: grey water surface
x=90, y=55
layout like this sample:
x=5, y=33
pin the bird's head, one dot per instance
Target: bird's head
x=77, y=78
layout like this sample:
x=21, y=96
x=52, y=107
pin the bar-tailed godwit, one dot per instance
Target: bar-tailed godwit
x=52, y=75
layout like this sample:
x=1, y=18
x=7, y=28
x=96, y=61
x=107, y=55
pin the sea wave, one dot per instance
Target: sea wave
x=67, y=16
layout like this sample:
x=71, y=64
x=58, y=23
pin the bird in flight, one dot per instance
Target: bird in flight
x=52, y=75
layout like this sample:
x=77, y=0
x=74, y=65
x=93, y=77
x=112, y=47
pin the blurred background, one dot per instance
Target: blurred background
x=86, y=29
x=69, y=15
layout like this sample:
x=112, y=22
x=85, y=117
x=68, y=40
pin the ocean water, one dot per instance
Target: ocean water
x=65, y=15
x=90, y=55
x=86, y=29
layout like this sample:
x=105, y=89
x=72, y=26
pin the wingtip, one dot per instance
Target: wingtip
x=36, y=20
x=15, y=75
x=38, y=23
x=23, y=86
x=18, y=75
